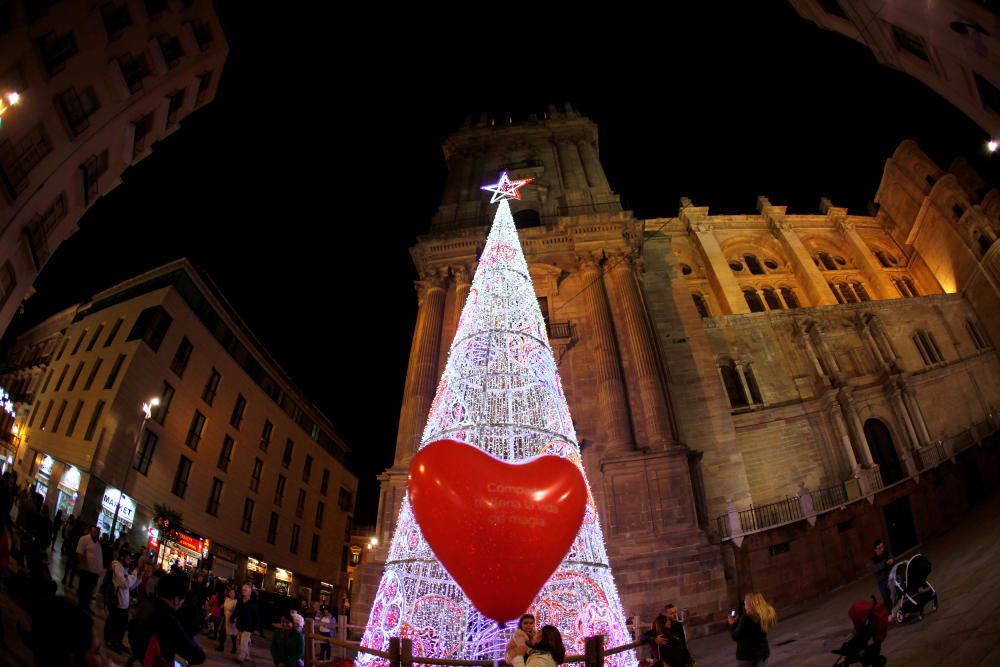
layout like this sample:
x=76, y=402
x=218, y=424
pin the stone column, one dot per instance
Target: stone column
x=570, y=165
x=855, y=427
x=872, y=344
x=635, y=334
x=454, y=303
x=869, y=264
x=806, y=271
x=458, y=171
x=610, y=383
x=843, y=434
x=916, y=414
x=727, y=291
x=897, y=400
x=592, y=165
x=421, y=379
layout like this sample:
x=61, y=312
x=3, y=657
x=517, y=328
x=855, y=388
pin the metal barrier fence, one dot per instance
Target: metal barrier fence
x=400, y=653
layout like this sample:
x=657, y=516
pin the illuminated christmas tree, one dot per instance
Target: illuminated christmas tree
x=500, y=392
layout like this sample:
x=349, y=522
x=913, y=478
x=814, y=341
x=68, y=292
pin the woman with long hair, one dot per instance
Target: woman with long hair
x=749, y=631
x=547, y=649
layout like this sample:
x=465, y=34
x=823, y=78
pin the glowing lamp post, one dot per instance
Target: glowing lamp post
x=147, y=412
x=991, y=145
x=7, y=101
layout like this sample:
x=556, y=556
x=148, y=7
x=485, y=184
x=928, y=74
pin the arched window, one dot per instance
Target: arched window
x=911, y=287
x=882, y=258
x=833, y=289
x=791, y=300
x=701, y=305
x=772, y=300
x=741, y=384
x=527, y=218
x=753, y=300
x=927, y=347
x=827, y=261
x=860, y=290
x=734, y=387
x=984, y=242
x=901, y=286
x=977, y=337
x=847, y=293
x=753, y=264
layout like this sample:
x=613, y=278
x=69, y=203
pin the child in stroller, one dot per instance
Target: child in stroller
x=871, y=625
x=911, y=591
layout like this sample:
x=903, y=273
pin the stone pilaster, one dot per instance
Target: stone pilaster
x=570, y=165
x=855, y=427
x=728, y=294
x=421, y=373
x=634, y=332
x=871, y=267
x=806, y=271
x=607, y=364
x=592, y=166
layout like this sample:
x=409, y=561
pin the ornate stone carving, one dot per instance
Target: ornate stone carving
x=844, y=225
x=699, y=227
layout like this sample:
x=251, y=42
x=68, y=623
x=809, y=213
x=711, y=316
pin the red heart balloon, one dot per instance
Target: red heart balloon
x=500, y=529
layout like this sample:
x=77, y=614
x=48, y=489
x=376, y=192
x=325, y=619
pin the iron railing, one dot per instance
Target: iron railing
x=758, y=518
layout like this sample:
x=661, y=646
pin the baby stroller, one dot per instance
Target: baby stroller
x=910, y=589
x=871, y=625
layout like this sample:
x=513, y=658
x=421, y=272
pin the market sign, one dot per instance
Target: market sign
x=126, y=511
x=282, y=575
x=224, y=553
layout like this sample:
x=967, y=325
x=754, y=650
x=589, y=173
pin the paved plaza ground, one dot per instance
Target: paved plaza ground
x=964, y=632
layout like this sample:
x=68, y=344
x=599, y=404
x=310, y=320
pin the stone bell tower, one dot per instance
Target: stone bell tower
x=585, y=256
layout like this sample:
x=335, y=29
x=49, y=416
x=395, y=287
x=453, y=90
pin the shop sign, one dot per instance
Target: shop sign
x=205, y=547
x=189, y=541
x=126, y=511
x=258, y=566
x=323, y=583
x=71, y=480
x=45, y=468
x=225, y=553
x=282, y=575
x=154, y=539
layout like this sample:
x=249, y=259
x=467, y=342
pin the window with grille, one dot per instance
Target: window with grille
x=239, y=409
x=17, y=159
x=214, y=497
x=258, y=469
x=181, y=358
x=279, y=491
x=195, y=430
x=77, y=107
x=95, y=419
x=166, y=396
x=226, y=453
x=147, y=448
x=180, y=484
x=248, y=506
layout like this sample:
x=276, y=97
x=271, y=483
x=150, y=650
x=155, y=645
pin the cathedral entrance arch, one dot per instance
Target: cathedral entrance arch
x=883, y=450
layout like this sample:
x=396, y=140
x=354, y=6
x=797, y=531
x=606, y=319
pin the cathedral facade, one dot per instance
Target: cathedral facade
x=722, y=369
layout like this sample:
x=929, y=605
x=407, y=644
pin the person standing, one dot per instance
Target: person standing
x=880, y=565
x=749, y=631
x=122, y=582
x=247, y=615
x=90, y=561
x=327, y=627
x=157, y=617
x=288, y=645
x=547, y=649
x=228, y=628
x=675, y=627
x=57, y=522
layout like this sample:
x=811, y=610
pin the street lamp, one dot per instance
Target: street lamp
x=147, y=412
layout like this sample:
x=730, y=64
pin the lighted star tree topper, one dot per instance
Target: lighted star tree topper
x=500, y=392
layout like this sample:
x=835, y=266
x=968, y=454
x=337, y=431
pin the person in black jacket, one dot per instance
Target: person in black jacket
x=157, y=617
x=247, y=615
x=749, y=631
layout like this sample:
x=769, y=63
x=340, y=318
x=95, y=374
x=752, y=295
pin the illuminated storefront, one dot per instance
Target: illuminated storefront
x=186, y=550
x=223, y=561
x=256, y=571
x=68, y=491
x=43, y=475
x=126, y=512
x=325, y=593
x=282, y=581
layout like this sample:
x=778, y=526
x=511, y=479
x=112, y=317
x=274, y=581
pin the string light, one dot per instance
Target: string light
x=501, y=392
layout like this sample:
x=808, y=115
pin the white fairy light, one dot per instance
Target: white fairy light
x=501, y=392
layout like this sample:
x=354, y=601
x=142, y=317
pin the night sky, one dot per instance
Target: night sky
x=301, y=187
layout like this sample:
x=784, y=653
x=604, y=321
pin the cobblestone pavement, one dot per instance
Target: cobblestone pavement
x=965, y=632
